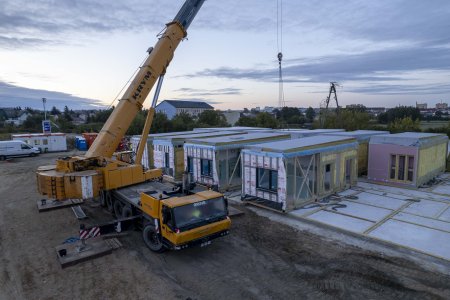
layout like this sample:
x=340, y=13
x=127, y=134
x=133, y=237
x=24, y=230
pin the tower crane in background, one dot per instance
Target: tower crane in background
x=324, y=111
x=281, y=102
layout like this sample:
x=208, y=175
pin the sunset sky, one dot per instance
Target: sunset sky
x=81, y=53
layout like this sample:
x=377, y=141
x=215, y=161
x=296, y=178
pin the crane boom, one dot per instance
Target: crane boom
x=85, y=176
x=134, y=97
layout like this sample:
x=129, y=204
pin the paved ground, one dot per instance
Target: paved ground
x=261, y=259
x=416, y=219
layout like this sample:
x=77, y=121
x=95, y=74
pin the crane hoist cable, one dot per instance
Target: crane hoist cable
x=126, y=84
x=281, y=102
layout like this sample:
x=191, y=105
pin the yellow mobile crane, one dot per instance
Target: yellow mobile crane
x=170, y=218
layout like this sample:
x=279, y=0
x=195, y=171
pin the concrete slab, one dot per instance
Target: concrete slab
x=430, y=241
x=379, y=200
x=363, y=211
x=432, y=223
x=348, y=192
x=386, y=194
x=410, y=193
x=426, y=208
x=96, y=248
x=57, y=204
x=445, y=216
x=441, y=189
x=341, y=221
x=306, y=210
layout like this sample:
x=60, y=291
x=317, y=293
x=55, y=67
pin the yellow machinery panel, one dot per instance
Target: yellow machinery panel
x=150, y=206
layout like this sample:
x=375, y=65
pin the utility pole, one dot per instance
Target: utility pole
x=44, y=100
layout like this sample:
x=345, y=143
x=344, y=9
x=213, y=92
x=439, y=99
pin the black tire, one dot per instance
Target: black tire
x=153, y=239
x=127, y=211
x=102, y=199
x=33, y=154
x=118, y=209
x=109, y=203
x=2, y=157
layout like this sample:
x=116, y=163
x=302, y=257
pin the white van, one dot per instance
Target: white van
x=16, y=148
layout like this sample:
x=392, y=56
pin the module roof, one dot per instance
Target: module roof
x=414, y=139
x=360, y=135
x=302, y=143
x=240, y=139
x=197, y=135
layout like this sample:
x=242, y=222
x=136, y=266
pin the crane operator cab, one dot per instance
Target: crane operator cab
x=182, y=222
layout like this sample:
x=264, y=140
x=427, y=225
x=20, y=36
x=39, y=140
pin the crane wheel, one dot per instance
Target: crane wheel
x=109, y=202
x=127, y=211
x=153, y=239
x=118, y=209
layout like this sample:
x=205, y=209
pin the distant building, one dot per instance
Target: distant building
x=171, y=108
x=441, y=105
x=19, y=120
x=375, y=111
x=232, y=116
x=421, y=105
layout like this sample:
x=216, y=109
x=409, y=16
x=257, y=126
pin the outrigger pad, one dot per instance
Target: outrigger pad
x=70, y=254
x=46, y=204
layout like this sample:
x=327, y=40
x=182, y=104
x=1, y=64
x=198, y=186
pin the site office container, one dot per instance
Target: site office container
x=168, y=152
x=285, y=175
x=363, y=138
x=46, y=142
x=407, y=159
x=216, y=161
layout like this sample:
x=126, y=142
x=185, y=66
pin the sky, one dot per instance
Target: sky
x=82, y=53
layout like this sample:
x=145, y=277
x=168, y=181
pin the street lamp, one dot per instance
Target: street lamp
x=45, y=112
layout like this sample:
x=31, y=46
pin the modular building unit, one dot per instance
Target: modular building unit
x=287, y=174
x=234, y=128
x=363, y=138
x=217, y=162
x=301, y=133
x=147, y=157
x=407, y=159
x=46, y=142
x=168, y=152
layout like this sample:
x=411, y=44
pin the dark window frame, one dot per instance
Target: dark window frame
x=190, y=164
x=273, y=184
x=209, y=173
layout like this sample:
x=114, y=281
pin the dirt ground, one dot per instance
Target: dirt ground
x=260, y=259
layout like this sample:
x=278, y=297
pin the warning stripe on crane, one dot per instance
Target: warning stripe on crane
x=89, y=233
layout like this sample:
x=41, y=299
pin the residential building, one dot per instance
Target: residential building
x=19, y=120
x=442, y=105
x=171, y=108
x=421, y=105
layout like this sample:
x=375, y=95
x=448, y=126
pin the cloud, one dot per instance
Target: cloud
x=204, y=92
x=11, y=95
x=375, y=66
x=40, y=22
